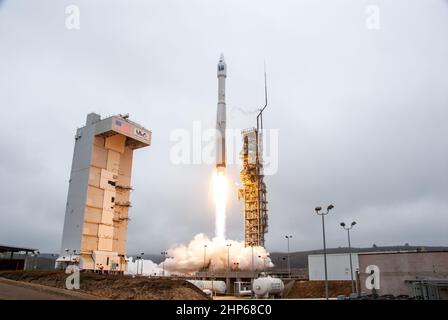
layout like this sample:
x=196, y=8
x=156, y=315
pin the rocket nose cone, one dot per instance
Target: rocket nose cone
x=221, y=58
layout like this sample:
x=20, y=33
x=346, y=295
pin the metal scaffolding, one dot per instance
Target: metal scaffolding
x=253, y=191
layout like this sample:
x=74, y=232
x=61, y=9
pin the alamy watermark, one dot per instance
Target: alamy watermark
x=198, y=146
x=72, y=281
x=72, y=17
x=373, y=21
x=373, y=279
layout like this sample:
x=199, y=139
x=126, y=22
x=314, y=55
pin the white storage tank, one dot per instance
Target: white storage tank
x=213, y=286
x=267, y=286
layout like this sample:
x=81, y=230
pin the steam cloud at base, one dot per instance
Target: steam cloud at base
x=190, y=258
x=144, y=267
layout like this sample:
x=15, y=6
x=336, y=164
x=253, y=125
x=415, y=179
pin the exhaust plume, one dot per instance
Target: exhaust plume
x=186, y=259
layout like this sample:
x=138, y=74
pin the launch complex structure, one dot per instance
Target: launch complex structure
x=253, y=191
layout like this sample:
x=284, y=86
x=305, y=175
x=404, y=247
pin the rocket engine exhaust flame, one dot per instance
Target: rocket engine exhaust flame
x=220, y=193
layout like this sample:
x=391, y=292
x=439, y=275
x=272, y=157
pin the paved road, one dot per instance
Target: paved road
x=14, y=290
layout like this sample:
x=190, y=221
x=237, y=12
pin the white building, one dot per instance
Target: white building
x=98, y=201
x=338, y=266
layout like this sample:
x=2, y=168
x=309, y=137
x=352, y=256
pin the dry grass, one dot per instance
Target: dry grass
x=316, y=289
x=114, y=286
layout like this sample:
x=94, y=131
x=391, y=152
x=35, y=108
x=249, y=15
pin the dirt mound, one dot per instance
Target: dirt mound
x=316, y=289
x=115, y=286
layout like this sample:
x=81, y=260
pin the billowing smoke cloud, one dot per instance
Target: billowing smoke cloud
x=145, y=267
x=189, y=258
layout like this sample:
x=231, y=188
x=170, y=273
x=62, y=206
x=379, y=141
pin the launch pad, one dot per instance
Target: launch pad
x=96, y=217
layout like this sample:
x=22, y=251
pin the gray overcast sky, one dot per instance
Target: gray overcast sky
x=361, y=113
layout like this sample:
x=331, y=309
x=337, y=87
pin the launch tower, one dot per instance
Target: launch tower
x=253, y=191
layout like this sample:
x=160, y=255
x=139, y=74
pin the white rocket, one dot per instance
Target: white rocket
x=221, y=116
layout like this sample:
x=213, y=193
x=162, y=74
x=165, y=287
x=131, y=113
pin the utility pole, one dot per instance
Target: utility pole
x=289, y=258
x=228, y=256
x=164, y=253
x=205, y=253
x=252, y=247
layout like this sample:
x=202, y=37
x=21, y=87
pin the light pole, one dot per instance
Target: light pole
x=35, y=256
x=252, y=247
x=70, y=258
x=350, y=251
x=205, y=253
x=142, y=253
x=323, y=214
x=282, y=264
x=264, y=262
x=228, y=256
x=164, y=253
x=289, y=263
x=137, y=262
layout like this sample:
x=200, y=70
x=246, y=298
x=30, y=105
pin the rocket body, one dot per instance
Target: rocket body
x=221, y=116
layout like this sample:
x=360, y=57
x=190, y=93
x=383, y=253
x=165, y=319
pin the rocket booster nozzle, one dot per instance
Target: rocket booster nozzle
x=221, y=169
